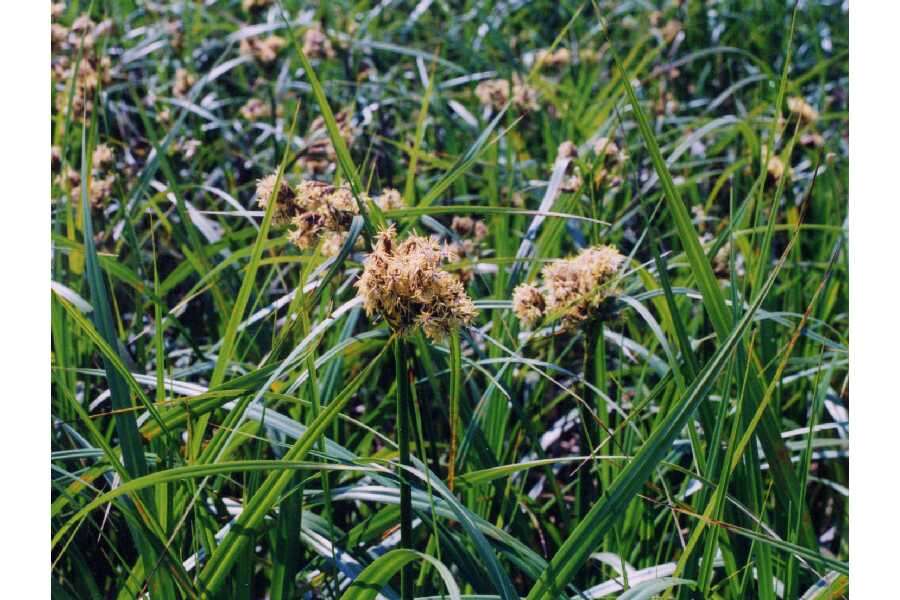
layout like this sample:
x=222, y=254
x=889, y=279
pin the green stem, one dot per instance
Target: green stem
x=403, y=410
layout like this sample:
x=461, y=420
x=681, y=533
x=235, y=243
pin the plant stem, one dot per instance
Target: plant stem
x=403, y=411
x=455, y=385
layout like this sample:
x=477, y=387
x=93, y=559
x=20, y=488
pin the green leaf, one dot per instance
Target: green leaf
x=373, y=578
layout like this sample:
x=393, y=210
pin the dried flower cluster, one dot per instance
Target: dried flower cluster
x=496, y=92
x=572, y=180
x=186, y=147
x=88, y=73
x=256, y=109
x=103, y=175
x=316, y=44
x=403, y=283
x=320, y=156
x=249, y=5
x=182, y=83
x=528, y=304
x=671, y=30
x=804, y=111
x=265, y=50
x=611, y=157
x=471, y=233
x=317, y=210
x=774, y=165
x=561, y=57
x=577, y=288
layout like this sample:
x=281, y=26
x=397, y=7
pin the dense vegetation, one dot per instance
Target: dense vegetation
x=467, y=298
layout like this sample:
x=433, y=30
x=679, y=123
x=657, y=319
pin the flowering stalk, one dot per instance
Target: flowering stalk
x=404, y=406
x=455, y=389
x=404, y=284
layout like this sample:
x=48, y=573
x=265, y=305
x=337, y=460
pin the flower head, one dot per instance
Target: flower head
x=183, y=83
x=560, y=57
x=774, y=165
x=320, y=155
x=403, y=283
x=390, y=199
x=316, y=44
x=265, y=50
x=285, y=205
x=249, y=5
x=528, y=304
x=802, y=109
x=102, y=157
x=496, y=92
x=256, y=109
x=576, y=287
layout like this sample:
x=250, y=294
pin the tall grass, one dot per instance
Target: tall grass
x=228, y=421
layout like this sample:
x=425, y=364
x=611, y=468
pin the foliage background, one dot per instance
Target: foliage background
x=189, y=373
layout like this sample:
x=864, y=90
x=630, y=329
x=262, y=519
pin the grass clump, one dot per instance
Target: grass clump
x=606, y=245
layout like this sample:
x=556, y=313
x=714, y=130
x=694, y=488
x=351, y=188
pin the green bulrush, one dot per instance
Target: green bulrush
x=403, y=283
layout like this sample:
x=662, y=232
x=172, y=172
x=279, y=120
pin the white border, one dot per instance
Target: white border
x=874, y=296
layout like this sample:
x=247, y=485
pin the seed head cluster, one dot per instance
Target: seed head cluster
x=264, y=50
x=182, y=83
x=577, y=288
x=403, y=283
x=471, y=233
x=89, y=72
x=315, y=210
x=496, y=92
x=316, y=44
x=804, y=111
x=255, y=109
x=320, y=156
x=553, y=59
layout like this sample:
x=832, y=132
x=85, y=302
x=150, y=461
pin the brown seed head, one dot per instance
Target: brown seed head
x=578, y=286
x=403, y=283
x=528, y=304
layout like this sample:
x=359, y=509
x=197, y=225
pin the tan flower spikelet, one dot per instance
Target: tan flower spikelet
x=802, y=109
x=589, y=55
x=256, y=109
x=285, y=204
x=774, y=165
x=496, y=92
x=606, y=147
x=572, y=181
x=339, y=209
x=101, y=190
x=102, y=157
x=814, y=139
x=528, y=304
x=560, y=57
x=306, y=229
x=463, y=226
x=182, y=83
x=320, y=155
x=249, y=5
x=332, y=242
x=493, y=92
x=390, y=199
x=671, y=30
x=471, y=233
x=567, y=150
x=403, y=283
x=312, y=195
x=316, y=44
x=578, y=286
x=524, y=96
x=58, y=35
x=264, y=50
